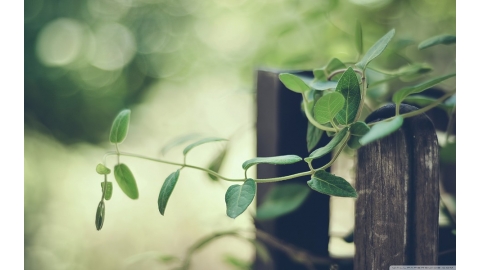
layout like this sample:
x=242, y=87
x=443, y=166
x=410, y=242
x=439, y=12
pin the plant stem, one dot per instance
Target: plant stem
x=310, y=117
x=419, y=111
x=337, y=153
x=341, y=71
x=265, y=180
x=362, y=96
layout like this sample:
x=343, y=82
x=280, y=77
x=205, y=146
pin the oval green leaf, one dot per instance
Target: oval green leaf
x=441, y=39
x=349, y=87
x=200, y=142
x=354, y=143
x=120, y=127
x=314, y=135
x=359, y=38
x=401, y=94
x=109, y=191
x=376, y=49
x=332, y=185
x=320, y=85
x=359, y=129
x=277, y=160
x=282, y=199
x=100, y=216
x=239, y=197
x=381, y=130
x=328, y=106
x=320, y=152
x=126, y=181
x=293, y=83
x=166, y=191
x=101, y=169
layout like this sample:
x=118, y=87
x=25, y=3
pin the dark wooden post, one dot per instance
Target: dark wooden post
x=396, y=215
x=281, y=130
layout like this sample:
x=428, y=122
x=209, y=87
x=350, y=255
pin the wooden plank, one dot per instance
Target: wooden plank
x=396, y=218
x=281, y=130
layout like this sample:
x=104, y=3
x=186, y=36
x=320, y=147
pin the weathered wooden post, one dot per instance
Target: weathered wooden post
x=281, y=130
x=396, y=215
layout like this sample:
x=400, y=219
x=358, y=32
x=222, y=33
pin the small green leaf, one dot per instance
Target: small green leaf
x=441, y=39
x=359, y=38
x=381, y=130
x=328, y=106
x=166, y=191
x=359, y=128
x=178, y=141
x=100, y=216
x=413, y=72
x=354, y=143
x=320, y=85
x=239, y=197
x=320, y=152
x=349, y=87
x=423, y=101
x=282, y=199
x=376, y=49
x=101, y=169
x=108, y=192
x=401, y=94
x=200, y=142
x=332, y=185
x=293, y=82
x=314, y=135
x=120, y=127
x=277, y=160
x=126, y=181
x=216, y=164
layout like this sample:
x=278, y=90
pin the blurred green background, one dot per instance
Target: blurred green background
x=183, y=67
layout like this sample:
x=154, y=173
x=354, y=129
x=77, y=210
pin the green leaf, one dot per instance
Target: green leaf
x=314, y=135
x=126, y=181
x=293, y=83
x=100, y=216
x=320, y=152
x=166, y=191
x=423, y=101
x=328, y=106
x=178, y=141
x=441, y=39
x=381, y=130
x=401, y=94
x=277, y=160
x=349, y=87
x=200, y=142
x=216, y=163
x=354, y=143
x=282, y=199
x=359, y=38
x=239, y=197
x=413, y=72
x=359, y=128
x=320, y=85
x=120, y=127
x=108, y=192
x=332, y=185
x=376, y=49
x=334, y=64
x=101, y=169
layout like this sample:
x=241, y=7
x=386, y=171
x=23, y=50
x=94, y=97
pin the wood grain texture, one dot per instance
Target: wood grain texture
x=396, y=216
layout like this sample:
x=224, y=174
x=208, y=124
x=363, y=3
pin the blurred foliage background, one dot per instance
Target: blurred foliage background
x=183, y=67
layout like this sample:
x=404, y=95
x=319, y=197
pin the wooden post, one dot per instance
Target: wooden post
x=281, y=130
x=396, y=213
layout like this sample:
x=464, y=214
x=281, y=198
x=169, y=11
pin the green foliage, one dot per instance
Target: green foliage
x=216, y=164
x=376, y=49
x=126, y=181
x=166, y=190
x=328, y=106
x=100, y=216
x=349, y=87
x=320, y=152
x=278, y=160
x=108, y=192
x=359, y=38
x=200, y=142
x=381, y=130
x=294, y=83
x=282, y=199
x=101, y=169
x=400, y=95
x=120, y=127
x=314, y=135
x=436, y=40
x=239, y=197
x=332, y=185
